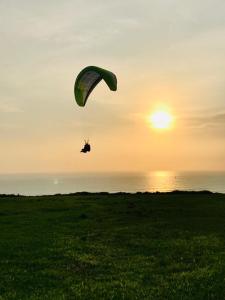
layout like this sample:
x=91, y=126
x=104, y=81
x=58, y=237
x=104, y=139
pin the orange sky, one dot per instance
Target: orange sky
x=164, y=54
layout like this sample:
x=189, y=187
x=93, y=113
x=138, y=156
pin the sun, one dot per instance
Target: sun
x=161, y=119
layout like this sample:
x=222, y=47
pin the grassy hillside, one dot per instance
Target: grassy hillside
x=121, y=246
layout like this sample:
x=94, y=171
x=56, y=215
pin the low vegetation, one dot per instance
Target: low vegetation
x=113, y=246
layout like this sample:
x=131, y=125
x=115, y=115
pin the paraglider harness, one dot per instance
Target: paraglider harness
x=87, y=147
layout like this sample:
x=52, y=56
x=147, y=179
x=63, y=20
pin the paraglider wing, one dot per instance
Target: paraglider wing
x=87, y=80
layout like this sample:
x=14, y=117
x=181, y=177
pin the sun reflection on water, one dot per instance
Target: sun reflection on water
x=163, y=181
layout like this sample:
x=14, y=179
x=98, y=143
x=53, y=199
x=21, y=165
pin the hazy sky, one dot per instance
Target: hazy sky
x=164, y=52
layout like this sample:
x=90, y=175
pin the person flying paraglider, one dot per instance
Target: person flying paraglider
x=87, y=147
x=86, y=82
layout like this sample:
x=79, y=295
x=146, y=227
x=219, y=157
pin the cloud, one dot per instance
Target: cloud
x=215, y=120
x=9, y=108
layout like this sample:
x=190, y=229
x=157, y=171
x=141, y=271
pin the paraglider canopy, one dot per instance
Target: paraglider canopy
x=87, y=80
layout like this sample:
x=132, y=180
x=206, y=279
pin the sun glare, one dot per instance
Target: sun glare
x=161, y=120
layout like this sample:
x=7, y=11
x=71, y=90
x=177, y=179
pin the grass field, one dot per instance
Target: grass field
x=113, y=246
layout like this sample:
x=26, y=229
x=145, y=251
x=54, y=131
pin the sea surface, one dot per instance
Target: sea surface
x=162, y=181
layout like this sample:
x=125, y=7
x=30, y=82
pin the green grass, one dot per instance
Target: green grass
x=121, y=246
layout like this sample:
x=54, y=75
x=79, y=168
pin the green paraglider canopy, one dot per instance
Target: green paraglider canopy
x=87, y=80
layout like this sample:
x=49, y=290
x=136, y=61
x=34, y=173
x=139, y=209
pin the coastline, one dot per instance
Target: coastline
x=84, y=193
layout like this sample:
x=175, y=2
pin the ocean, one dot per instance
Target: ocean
x=162, y=181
